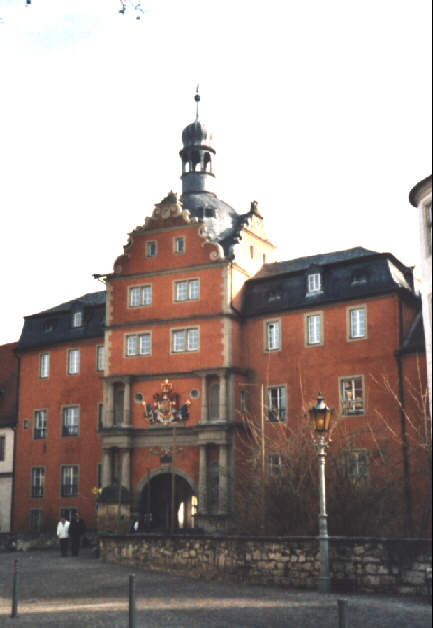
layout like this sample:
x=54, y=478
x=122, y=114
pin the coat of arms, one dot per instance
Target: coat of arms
x=165, y=407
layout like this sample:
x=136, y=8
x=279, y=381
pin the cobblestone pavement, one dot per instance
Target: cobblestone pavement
x=84, y=592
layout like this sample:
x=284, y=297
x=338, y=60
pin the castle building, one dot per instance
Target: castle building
x=132, y=401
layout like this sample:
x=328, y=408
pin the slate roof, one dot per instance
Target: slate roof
x=414, y=341
x=225, y=220
x=351, y=274
x=54, y=325
x=8, y=385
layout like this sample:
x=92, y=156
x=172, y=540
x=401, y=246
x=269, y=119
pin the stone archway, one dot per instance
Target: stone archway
x=154, y=501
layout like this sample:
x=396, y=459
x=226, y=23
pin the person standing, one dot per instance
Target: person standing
x=63, y=535
x=76, y=530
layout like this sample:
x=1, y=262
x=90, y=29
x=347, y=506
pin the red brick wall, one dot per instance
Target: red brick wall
x=59, y=389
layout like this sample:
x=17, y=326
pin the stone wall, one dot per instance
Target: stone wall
x=370, y=565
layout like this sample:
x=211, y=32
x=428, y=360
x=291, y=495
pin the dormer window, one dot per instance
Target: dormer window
x=313, y=283
x=359, y=277
x=209, y=212
x=77, y=319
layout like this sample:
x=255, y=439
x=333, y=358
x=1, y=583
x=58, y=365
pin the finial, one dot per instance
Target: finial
x=197, y=100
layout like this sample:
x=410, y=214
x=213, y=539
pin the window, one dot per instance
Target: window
x=100, y=416
x=2, y=448
x=40, y=425
x=242, y=401
x=272, y=340
x=71, y=421
x=67, y=513
x=352, y=395
x=73, y=361
x=357, y=465
x=313, y=329
x=187, y=290
x=183, y=340
x=35, y=520
x=140, y=295
x=77, y=319
x=100, y=358
x=179, y=245
x=44, y=365
x=313, y=283
x=150, y=248
x=214, y=401
x=69, y=481
x=357, y=322
x=274, y=464
x=38, y=481
x=139, y=344
x=276, y=407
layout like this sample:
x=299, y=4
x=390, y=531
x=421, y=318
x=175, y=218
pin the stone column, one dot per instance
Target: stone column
x=202, y=482
x=127, y=403
x=108, y=418
x=204, y=408
x=223, y=398
x=223, y=480
x=125, y=468
x=106, y=468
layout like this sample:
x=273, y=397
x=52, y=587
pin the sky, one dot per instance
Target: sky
x=320, y=111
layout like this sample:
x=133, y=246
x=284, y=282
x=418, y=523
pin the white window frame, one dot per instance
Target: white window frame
x=100, y=358
x=186, y=290
x=272, y=332
x=314, y=283
x=44, y=365
x=140, y=296
x=134, y=344
x=70, y=425
x=73, y=362
x=40, y=424
x=351, y=403
x=314, y=333
x=280, y=408
x=69, y=472
x=77, y=319
x=187, y=345
x=179, y=245
x=148, y=245
x=356, y=325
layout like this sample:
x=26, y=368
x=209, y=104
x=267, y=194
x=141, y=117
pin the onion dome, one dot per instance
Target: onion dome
x=196, y=134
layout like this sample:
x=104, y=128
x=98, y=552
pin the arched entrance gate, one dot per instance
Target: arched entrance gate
x=160, y=494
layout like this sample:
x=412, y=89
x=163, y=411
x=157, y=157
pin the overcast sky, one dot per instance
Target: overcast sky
x=321, y=111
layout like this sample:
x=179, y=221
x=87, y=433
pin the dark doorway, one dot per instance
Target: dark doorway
x=155, y=505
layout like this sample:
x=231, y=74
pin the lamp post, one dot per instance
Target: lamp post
x=320, y=416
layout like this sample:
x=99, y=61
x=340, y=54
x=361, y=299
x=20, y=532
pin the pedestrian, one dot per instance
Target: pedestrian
x=76, y=530
x=63, y=535
x=135, y=526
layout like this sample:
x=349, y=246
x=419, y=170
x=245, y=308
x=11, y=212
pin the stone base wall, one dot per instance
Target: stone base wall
x=394, y=566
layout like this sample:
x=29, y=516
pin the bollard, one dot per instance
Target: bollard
x=342, y=614
x=132, y=601
x=15, y=591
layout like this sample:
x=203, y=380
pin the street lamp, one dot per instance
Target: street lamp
x=320, y=416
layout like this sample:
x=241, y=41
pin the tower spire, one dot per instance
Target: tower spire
x=197, y=100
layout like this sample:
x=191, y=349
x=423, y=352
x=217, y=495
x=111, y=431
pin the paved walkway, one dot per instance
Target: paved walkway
x=84, y=592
